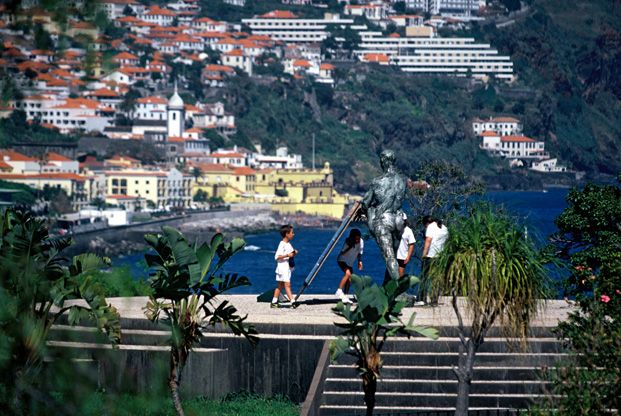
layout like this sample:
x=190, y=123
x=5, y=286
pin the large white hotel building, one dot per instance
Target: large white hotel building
x=286, y=27
x=435, y=55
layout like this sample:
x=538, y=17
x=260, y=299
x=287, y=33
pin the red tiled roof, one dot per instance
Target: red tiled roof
x=226, y=155
x=125, y=56
x=53, y=156
x=278, y=14
x=517, y=139
x=235, y=52
x=17, y=157
x=488, y=133
x=151, y=100
x=243, y=171
x=301, y=63
x=376, y=57
x=51, y=175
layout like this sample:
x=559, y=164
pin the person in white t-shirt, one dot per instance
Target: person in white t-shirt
x=284, y=259
x=406, y=247
x=436, y=234
x=350, y=254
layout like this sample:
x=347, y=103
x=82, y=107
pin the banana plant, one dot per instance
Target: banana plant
x=185, y=283
x=376, y=317
x=35, y=282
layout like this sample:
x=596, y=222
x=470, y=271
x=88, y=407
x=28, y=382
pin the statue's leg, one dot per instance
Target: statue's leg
x=388, y=252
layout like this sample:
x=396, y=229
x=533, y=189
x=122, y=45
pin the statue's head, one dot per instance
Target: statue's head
x=387, y=159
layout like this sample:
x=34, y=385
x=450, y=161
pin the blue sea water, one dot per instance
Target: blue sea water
x=536, y=209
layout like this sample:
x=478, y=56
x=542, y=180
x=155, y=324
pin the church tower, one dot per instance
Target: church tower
x=176, y=115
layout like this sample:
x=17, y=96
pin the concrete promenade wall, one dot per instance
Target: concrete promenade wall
x=283, y=362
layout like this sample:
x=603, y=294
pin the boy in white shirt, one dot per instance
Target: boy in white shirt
x=284, y=254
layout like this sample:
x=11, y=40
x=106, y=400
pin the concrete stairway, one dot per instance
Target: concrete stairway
x=417, y=377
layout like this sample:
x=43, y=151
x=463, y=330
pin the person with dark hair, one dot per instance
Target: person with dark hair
x=352, y=251
x=436, y=234
x=406, y=247
x=284, y=256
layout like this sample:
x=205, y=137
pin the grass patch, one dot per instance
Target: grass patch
x=238, y=404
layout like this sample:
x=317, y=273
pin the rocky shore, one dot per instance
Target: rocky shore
x=231, y=226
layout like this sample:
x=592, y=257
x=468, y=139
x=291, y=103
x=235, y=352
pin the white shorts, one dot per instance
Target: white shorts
x=283, y=277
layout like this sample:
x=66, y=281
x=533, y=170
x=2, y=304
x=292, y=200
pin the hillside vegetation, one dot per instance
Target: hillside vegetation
x=568, y=94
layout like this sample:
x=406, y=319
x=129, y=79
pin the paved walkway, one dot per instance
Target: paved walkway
x=317, y=309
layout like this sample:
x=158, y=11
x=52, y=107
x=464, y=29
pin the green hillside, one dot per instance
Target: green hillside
x=567, y=94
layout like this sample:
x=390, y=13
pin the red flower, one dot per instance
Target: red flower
x=605, y=298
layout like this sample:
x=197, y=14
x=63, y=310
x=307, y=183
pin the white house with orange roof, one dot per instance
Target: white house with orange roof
x=286, y=26
x=504, y=126
x=105, y=96
x=211, y=39
x=186, y=42
x=158, y=15
x=514, y=147
x=56, y=163
x=126, y=59
x=326, y=74
x=215, y=75
x=151, y=108
x=236, y=59
x=119, y=77
x=19, y=163
x=205, y=24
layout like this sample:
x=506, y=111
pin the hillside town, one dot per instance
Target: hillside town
x=502, y=137
x=150, y=73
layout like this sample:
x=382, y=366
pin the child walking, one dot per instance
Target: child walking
x=284, y=264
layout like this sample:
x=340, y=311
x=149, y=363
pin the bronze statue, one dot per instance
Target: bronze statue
x=382, y=206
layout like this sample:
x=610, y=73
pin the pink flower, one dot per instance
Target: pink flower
x=579, y=268
x=605, y=298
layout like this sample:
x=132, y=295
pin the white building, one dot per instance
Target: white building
x=505, y=126
x=282, y=160
x=151, y=108
x=237, y=59
x=433, y=55
x=285, y=26
x=114, y=8
x=205, y=24
x=158, y=16
x=373, y=11
x=68, y=114
x=548, y=166
x=446, y=7
x=520, y=147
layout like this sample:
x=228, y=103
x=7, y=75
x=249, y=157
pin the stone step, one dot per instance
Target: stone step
x=381, y=410
x=492, y=344
x=412, y=399
x=439, y=386
x=505, y=359
x=414, y=372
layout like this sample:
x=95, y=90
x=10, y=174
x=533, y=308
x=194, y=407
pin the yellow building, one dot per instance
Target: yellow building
x=164, y=189
x=232, y=184
x=289, y=191
x=71, y=183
